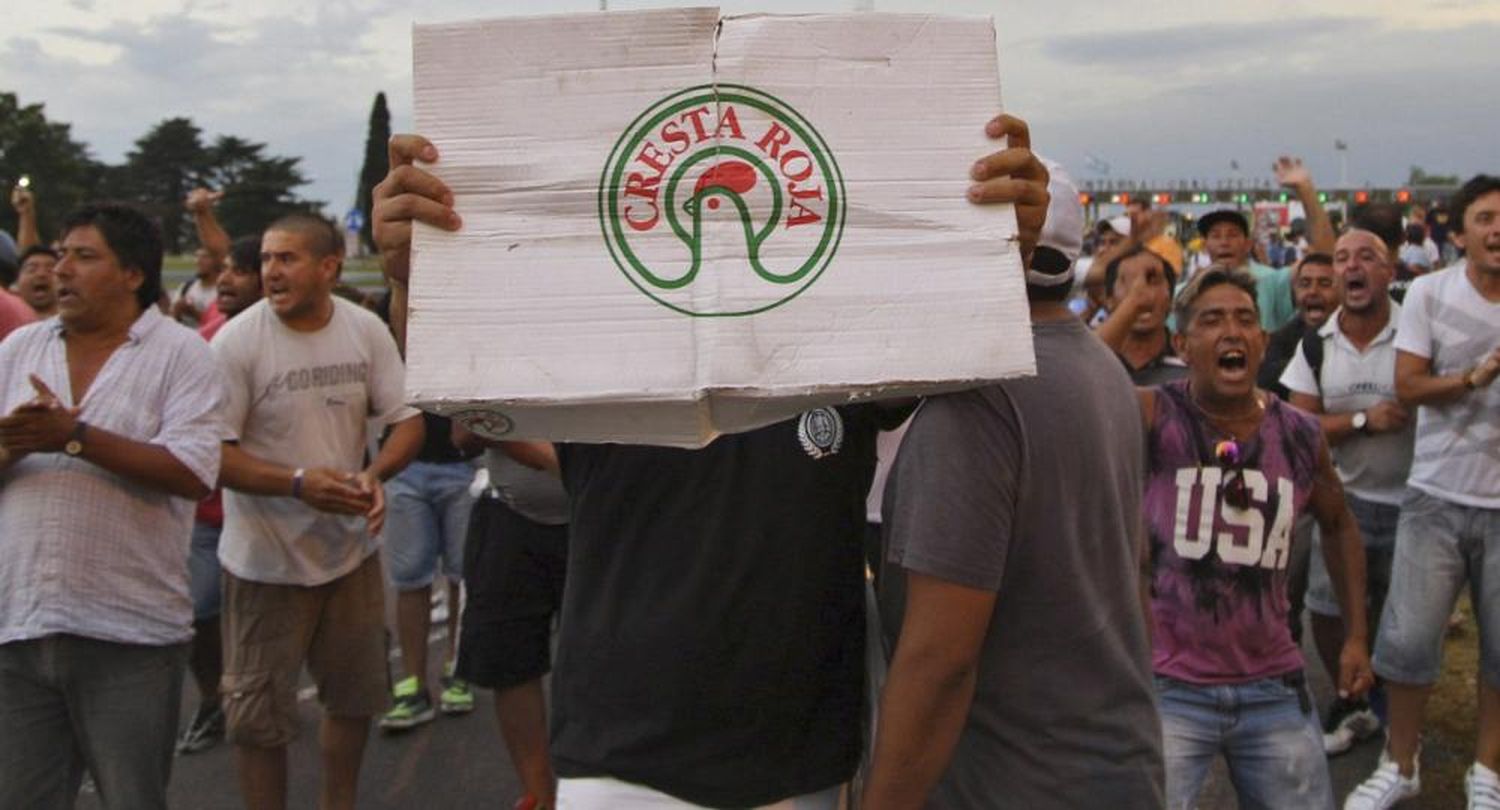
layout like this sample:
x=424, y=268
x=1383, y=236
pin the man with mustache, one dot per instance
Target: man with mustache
x=1316, y=294
x=1230, y=468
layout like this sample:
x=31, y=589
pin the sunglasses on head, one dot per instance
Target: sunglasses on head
x=1232, y=488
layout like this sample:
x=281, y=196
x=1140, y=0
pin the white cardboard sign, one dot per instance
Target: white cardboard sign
x=678, y=225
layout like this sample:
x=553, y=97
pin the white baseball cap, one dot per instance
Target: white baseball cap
x=1062, y=234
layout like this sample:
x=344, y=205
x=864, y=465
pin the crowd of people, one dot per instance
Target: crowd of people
x=1069, y=590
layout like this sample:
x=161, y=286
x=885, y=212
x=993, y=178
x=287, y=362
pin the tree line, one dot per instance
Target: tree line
x=167, y=162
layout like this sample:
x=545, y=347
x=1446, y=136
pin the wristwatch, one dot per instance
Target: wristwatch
x=1361, y=421
x=74, y=447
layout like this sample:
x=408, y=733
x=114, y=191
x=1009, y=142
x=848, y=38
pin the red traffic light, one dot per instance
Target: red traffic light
x=1164, y=199
x=1403, y=196
x=1361, y=197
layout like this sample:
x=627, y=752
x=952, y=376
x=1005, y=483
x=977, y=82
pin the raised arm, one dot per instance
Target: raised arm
x=211, y=235
x=1291, y=174
x=407, y=194
x=27, y=234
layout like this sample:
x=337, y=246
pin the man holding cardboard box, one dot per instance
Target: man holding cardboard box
x=711, y=646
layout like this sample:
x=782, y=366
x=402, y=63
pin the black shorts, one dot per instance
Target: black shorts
x=513, y=582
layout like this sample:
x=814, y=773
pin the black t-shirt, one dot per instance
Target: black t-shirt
x=1279, y=351
x=711, y=640
x=437, y=447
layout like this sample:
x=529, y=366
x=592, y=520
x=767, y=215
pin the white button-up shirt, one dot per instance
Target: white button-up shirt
x=87, y=552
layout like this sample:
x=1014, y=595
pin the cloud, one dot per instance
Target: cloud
x=1403, y=84
x=1197, y=44
x=1191, y=128
x=302, y=83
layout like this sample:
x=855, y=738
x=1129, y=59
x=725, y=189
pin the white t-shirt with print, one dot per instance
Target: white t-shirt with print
x=1458, y=445
x=1373, y=467
x=302, y=399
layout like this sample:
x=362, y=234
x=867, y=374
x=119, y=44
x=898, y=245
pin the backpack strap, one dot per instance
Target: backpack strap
x=1312, y=352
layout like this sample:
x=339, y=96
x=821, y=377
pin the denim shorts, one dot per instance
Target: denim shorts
x=203, y=572
x=427, y=517
x=1440, y=546
x=1377, y=526
x=1266, y=730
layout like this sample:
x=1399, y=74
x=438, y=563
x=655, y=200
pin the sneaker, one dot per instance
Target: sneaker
x=1385, y=787
x=206, y=730
x=1482, y=786
x=458, y=694
x=1348, y=723
x=413, y=706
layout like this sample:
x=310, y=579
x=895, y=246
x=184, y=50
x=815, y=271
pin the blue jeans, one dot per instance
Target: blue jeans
x=427, y=517
x=1267, y=732
x=69, y=704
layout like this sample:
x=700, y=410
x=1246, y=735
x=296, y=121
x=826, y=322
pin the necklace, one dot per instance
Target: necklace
x=1255, y=409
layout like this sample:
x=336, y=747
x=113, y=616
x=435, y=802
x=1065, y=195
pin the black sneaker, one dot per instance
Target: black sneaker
x=413, y=707
x=1349, y=722
x=206, y=730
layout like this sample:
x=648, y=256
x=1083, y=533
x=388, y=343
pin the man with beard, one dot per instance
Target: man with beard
x=1316, y=294
x=238, y=287
x=1229, y=469
x=1352, y=390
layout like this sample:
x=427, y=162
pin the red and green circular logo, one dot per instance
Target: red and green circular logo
x=721, y=200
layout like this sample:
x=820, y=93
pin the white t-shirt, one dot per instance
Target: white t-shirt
x=302, y=399
x=1447, y=321
x=201, y=294
x=1373, y=467
x=887, y=443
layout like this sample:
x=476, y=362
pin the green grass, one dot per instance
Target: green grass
x=363, y=272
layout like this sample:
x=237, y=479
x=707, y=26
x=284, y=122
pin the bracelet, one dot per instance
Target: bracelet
x=297, y=483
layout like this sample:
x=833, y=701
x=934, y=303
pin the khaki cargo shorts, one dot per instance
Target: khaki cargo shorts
x=271, y=630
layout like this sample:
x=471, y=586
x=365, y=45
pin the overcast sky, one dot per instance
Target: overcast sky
x=1167, y=90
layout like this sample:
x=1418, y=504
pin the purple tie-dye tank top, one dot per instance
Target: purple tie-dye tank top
x=1218, y=591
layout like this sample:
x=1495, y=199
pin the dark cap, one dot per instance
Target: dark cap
x=1213, y=218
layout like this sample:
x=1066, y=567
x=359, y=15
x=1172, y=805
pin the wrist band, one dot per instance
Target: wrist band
x=297, y=483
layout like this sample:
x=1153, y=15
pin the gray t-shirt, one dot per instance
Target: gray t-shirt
x=304, y=399
x=535, y=495
x=1032, y=488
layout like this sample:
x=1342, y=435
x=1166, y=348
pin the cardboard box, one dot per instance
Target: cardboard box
x=678, y=225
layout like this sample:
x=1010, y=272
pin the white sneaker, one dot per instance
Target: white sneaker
x=1482, y=786
x=1357, y=723
x=1385, y=787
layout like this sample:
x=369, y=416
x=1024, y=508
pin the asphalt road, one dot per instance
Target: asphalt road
x=452, y=762
x=460, y=762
